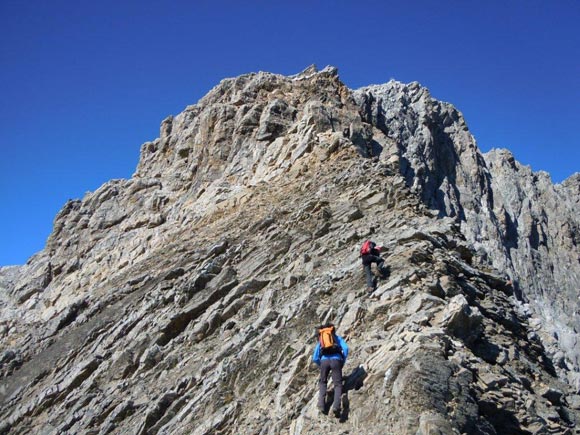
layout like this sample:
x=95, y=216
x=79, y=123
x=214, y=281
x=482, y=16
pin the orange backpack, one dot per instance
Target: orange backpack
x=327, y=340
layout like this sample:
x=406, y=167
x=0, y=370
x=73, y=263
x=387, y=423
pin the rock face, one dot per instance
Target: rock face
x=184, y=300
x=516, y=219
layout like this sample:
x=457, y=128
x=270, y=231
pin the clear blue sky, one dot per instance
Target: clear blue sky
x=84, y=83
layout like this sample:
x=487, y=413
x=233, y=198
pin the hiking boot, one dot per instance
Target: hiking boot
x=322, y=410
x=370, y=289
x=336, y=412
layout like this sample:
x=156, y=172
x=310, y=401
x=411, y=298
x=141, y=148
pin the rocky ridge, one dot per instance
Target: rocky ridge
x=516, y=219
x=184, y=299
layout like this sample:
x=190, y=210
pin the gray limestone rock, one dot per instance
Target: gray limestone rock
x=517, y=219
x=184, y=299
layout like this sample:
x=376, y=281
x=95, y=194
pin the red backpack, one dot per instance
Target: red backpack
x=366, y=248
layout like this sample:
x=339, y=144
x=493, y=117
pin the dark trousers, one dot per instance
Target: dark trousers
x=367, y=260
x=327, y=365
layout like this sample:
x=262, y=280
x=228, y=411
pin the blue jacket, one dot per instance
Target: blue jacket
x=317, y=356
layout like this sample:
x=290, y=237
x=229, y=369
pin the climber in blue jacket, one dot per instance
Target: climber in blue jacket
x=330, y=355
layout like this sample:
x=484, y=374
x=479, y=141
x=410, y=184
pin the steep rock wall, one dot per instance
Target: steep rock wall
x=516, y=219
x=184, y=299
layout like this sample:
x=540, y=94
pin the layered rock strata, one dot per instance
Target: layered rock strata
x=516, y=219
x=184, y=299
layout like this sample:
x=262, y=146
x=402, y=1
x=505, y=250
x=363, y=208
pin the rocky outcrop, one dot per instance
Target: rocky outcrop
x=515, y=219
x=184, y=300
x=539, y=225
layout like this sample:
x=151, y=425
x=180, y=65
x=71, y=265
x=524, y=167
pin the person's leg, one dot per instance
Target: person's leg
x=324, y=369
x=382, y=269
x=369, y=275
x=380, y=262
x=336, y=367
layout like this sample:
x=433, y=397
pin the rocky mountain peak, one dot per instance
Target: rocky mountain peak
x=572, y=186
x=247, y=121
x=184, y=299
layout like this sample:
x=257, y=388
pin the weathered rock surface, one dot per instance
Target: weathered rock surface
x=516, y=219
x=184, y=300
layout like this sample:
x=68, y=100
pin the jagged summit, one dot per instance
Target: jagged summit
x=183, y=300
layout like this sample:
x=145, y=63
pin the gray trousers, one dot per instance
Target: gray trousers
x=326, y=366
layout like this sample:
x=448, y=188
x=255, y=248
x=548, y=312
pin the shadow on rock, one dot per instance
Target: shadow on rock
x=503, y=421
x=486, y=350
x=375, y=148
x=384, y=274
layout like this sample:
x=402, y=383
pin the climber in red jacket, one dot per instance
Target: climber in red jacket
x=370, y=253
